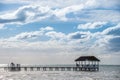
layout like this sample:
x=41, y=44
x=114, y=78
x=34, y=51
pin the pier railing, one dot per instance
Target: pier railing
x=52, y=68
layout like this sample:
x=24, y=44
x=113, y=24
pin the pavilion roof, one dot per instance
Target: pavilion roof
x=87, y=58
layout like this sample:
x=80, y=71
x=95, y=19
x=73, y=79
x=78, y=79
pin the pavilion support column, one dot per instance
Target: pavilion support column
x=97, y=65
x=88, y=65
x=76, y=63
x=85, y=63
x=80, y=63
x=92, y=65
x=88, y=62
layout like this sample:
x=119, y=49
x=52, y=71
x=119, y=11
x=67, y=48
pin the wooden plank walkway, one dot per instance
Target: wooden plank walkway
x=46, y=68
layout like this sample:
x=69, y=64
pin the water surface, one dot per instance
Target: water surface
x=105, y=73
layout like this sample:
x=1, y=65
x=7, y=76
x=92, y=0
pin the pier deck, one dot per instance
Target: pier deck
x=51, y=68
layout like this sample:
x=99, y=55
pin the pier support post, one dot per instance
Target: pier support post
x=31, y=68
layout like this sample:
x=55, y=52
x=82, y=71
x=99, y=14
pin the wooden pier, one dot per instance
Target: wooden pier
x=52, y=68
x=83, y=63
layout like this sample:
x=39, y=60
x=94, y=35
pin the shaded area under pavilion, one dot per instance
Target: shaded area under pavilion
x=87, y=63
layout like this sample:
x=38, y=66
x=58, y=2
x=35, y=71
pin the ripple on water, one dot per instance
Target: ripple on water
x=1, y=77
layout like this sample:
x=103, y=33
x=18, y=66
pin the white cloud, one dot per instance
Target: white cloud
x=26, y=35
x=74, y=44
x=92, y=40
x=31, y=35
x=93, y=25
x=36, y=12
x=15, y=1
x=43, y=52
x=56, y=35
x=115, y=30
x=23, y=40
x=62, y=3
x=111, y=4
x=80, y=35
x=26, y=14
x=107, y=41
x=61, y=13
x=48, y=28
x=98, y=15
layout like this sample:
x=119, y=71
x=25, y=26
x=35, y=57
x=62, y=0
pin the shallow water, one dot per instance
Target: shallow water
x=105, y=73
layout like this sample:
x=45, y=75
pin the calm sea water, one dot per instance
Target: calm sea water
x=105, y=73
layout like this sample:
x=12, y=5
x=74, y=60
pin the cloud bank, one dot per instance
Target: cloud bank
x=39, y=30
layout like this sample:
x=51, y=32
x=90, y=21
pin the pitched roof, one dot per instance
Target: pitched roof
x=87, y=58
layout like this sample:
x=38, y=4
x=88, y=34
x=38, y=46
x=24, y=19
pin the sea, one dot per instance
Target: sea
x=106, y=72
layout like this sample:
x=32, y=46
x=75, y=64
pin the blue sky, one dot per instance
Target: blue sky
x=58, y=31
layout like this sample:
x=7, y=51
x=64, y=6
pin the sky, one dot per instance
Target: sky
x=59, y=31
